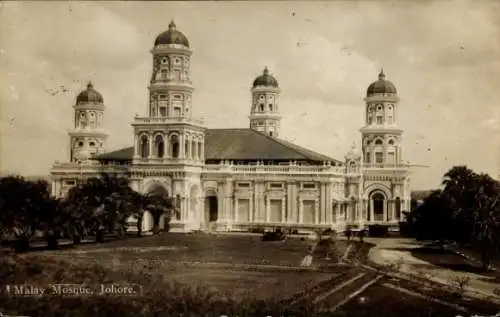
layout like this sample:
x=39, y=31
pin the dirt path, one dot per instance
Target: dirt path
x=398, y=251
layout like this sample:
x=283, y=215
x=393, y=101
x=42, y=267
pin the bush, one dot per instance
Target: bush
x=378, y=231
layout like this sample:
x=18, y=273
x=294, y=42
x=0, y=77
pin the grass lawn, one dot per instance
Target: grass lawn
x=168, y=253
x=175, y=248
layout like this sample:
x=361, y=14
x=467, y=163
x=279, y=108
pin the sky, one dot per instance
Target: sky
x=443, y=57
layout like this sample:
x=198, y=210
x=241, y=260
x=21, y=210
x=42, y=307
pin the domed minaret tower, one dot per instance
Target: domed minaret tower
x=169, y=134
x=87, y=137
x=264, y=114
x=385, y=175
x=381, y=136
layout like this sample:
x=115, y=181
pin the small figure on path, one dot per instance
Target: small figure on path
x=362, y=234
x=348, y=234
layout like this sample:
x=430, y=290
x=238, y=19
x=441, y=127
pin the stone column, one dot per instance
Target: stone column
x=268, y=213
x=328, y=202
x=151, y=146
x=372, y=215
x=323, y=207
x=137, y=146
x=301, y=218
x=283, y=210
x=236, y=206
x=251, y=214
x=316, y=211
x=228, y=194
x=289, y=200
x=182, y=145
x=220, y=202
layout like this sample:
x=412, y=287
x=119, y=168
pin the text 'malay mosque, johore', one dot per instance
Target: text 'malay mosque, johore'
x=237, y=179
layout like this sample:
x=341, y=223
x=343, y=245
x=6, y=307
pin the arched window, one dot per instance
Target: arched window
x=144, y=147
x=391, y=142
x=159, y=146
x=398, y=209
x=262, y=107
x=379, y=142
x=187, y=152
x=92, y=143
x=271, y=107
x=174, y=146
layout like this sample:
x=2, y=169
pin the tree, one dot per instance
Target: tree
x=459, y=189
x=433, y=219
x=26, y=207
x=158, y=204
x=486, y=214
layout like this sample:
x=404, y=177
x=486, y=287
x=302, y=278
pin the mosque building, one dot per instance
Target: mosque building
x=241, y=179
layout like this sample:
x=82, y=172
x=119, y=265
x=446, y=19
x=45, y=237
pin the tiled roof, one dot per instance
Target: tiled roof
x=240, y=144
x=247, y=144
x=125, y=154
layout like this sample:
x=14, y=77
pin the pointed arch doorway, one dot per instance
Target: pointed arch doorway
x=211, y=210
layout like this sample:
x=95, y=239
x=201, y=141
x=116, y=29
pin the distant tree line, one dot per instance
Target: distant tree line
x=465, y=211
x=93, y=208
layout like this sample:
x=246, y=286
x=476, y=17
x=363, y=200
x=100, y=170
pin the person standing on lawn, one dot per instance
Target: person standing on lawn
x=362, y=234
x=348, y=234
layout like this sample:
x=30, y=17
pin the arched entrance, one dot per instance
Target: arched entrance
x=397, y=215
x=158, y=198
x=377, y=201
x=211, y=209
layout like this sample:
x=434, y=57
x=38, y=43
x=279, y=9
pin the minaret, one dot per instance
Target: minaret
x=381, y=138
x=169, y=133
x=87, y=137
x=264, y=114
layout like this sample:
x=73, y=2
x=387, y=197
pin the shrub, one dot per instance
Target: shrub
x=378, y=231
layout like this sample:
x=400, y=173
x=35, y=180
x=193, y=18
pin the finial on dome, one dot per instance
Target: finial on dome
x=381, y=75
x=89, y=85
x=266, y=71
x=171, y=26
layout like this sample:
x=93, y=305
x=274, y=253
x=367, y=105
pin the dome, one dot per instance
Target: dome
x=265, y=80
x=89, y=95
x=381, y=86
x=172, y=36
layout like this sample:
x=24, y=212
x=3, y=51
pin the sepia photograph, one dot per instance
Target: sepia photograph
x=250, y=158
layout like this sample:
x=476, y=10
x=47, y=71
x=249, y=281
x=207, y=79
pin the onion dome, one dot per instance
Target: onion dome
x=265, y=80
x=381, y=86
x=172, y=36
x=89, y=95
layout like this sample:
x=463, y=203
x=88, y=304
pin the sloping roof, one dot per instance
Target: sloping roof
x=248, y=144
x=240, y=144
x=125, y=154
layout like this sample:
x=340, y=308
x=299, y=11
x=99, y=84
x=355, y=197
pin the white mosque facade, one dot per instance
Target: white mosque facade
x=242, y=179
